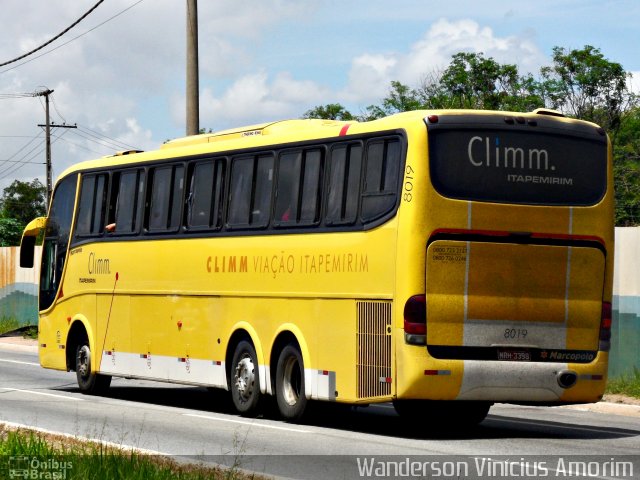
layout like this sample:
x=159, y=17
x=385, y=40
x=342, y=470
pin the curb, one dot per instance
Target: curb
x=19, y=344
x=608, y=408
x=14, y=347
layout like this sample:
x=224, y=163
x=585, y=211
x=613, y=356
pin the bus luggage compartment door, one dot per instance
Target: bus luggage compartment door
x=513, y=301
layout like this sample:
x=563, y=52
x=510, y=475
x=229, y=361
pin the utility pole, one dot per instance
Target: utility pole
x=193, y=95
x=47, y=134
x=47, y=129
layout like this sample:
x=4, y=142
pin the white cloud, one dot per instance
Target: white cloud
x=255, y=98
x=370, y=75
x=260, y=96
x=115, y=79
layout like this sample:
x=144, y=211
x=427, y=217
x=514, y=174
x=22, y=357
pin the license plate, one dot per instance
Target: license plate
x=514, y=355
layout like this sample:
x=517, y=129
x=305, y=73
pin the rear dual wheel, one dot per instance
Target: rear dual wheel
x=290, y=387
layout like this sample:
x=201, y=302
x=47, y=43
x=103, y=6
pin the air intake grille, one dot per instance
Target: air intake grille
x=374, y=349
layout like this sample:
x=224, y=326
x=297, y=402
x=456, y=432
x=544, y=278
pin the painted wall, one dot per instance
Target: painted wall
x=625, y=331
x=18, y=287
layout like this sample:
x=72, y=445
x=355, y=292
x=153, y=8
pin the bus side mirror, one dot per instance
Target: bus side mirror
x=28, y=243
x=27, y=249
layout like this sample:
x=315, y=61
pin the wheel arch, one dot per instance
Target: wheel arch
x=244, y=331
x=78, y=331
x=286, y=334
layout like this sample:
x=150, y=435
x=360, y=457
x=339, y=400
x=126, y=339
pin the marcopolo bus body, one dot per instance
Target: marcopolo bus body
x=442, y=260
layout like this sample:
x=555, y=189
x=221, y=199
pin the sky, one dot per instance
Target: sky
x=119, y=75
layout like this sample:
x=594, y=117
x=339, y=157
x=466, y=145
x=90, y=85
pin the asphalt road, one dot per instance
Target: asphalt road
x=192, y=424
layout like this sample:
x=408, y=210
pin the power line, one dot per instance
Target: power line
x=97, y=140
x=53, y=100
x=54, y=38
x=9, y=171
x=7, y=96
x=18, y=136
x=104, y=140
x=73, y=39
x=79, y=145
x=2, y=162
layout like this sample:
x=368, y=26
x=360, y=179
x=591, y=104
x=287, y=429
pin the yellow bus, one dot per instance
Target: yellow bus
x=441, y=260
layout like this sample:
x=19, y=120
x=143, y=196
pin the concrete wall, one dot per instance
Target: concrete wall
x=18, y=287
x=625, y=331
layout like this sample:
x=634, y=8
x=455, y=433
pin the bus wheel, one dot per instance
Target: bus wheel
x=245, y=383
x=290, y=393
x=88, y=381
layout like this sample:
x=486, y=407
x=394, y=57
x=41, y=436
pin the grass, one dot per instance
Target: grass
x=10, y=324
x=625, y=385
x=56, y=456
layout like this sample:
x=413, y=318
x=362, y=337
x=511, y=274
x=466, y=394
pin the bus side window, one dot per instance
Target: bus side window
x=381, y=178
x=263, y=185
x=205, y=193
x=298, y=188
x=129, y=202
x=165, y=202
x=287, y=188
x=250, y=192
x=345, y=163
x=91, y=210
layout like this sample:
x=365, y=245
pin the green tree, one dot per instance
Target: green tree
x=10, y=232
x=401, y=98
x=331, y=111
x=582, y=83
x=626, y=169
x=473, y=81
x=24, y=201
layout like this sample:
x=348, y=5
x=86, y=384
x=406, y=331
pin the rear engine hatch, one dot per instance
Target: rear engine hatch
x=513, y=301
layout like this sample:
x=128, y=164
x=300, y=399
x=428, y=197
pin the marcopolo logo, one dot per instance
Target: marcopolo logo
x=559, y=356
x=571, y=356
x=488, y=152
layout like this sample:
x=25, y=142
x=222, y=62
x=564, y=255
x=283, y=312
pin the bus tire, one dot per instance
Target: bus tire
x=89, y=382
x=245, y=380
x=290, y=388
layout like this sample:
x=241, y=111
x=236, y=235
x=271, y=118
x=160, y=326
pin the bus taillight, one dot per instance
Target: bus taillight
x=415, y=320
x=605, y=327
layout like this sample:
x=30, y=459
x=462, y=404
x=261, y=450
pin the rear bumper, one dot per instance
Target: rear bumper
x=421, y=376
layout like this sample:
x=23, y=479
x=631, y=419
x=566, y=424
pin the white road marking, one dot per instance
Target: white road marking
x=19, y=362
x=251, y=424
x=65, y=397
x=566, y=427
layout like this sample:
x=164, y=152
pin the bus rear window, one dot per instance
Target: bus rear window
x=521, y=164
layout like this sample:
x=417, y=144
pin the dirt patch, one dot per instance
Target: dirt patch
x=19, y=341
x=624, y=399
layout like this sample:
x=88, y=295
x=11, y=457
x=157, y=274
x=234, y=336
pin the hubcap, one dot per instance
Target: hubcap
x=245, y=377
x=84, y=361
x=292, y=381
